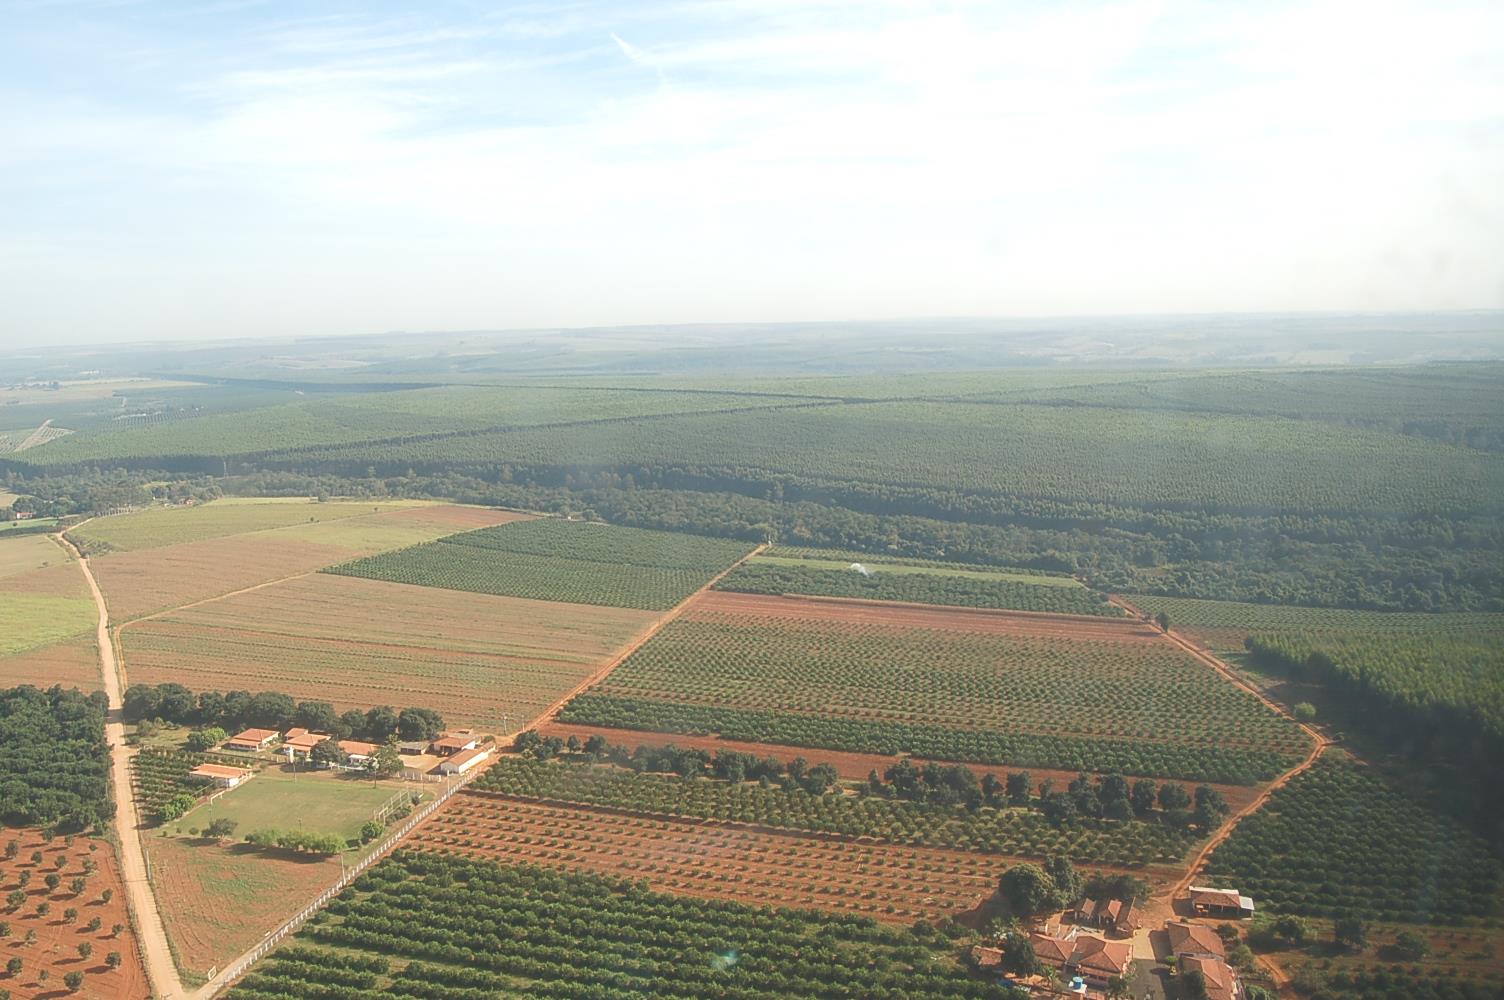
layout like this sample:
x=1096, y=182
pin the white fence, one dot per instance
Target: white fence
x=239, y=967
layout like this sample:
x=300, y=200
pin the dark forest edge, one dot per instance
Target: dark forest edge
x=1366, y=561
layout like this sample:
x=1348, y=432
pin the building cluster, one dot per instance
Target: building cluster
x=1098, y=946
x=457, y=752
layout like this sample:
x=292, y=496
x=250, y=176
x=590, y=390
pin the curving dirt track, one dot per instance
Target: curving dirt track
x=1319, y=744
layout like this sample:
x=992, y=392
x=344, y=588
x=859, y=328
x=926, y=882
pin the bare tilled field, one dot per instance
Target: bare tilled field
x=359, y=643
x=74, y=663
x=54, y=943
x=154, y=579
x=767, y=867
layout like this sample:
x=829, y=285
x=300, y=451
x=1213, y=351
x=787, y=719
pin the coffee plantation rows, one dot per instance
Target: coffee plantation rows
x=1229, y=462
x=1339, y=842
x=1015, y=832
x=1232, y=617
x=602, y=543
x=1135, y=758
x=158, y=775
x=985, y=676
x=556, y=560
x=1401, y=983
x=759, y=577
x=427, y=415
x=427, y=927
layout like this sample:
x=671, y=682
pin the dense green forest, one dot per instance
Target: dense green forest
x=1350, y=488
x=54, y=764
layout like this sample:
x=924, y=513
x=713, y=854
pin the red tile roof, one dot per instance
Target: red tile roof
x=358, y=748
x=1048, y=948
x=986, y=958
x=1193, y=939
x=1101, y=955
x=302, y=739
x=1221, y=984
x=253, y=736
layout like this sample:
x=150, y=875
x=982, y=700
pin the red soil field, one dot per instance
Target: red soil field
x=74, y=663
x=55, y=949
x=62, y=579
x=748, y=864
x=217, y=902
x=819, y=609
x=359, y=643
x=852, y=766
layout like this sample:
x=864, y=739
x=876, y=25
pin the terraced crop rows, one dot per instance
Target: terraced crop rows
x=1014, y=832
x=883, y=881
x=424, y=927
x=555, y=560
x=1339, y=842
x=880, y=583
x=972, y=674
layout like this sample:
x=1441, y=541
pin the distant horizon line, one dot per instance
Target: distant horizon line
x=711, y=325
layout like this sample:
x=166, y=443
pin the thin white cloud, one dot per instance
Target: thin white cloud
x=810, y=160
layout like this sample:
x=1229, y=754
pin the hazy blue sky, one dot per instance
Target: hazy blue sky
x=238, y=168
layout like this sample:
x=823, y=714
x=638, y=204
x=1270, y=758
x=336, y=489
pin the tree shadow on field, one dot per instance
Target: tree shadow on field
x=282, y=853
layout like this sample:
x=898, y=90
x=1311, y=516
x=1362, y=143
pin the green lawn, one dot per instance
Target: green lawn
x=31, y=525
x=316, y=801
x=31, y=620
x=160, y=526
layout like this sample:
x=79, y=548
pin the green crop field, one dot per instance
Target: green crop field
x=28, y=621
x=1338, y=842
x=1235, y=462
x=555, y=560
x=362, y=418
x=1014, y=832
x=1227, y=623
x=431, y=927
x=916, y=584
x=148, y=529
x=974, y=689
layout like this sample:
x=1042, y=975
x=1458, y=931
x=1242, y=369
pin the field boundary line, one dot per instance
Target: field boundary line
x=869, y=602
x=241, y=965
x=1320, y=742
x=636, y=643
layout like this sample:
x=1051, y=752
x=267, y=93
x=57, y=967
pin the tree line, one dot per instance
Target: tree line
x=1108, y=797
x=235, y=710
